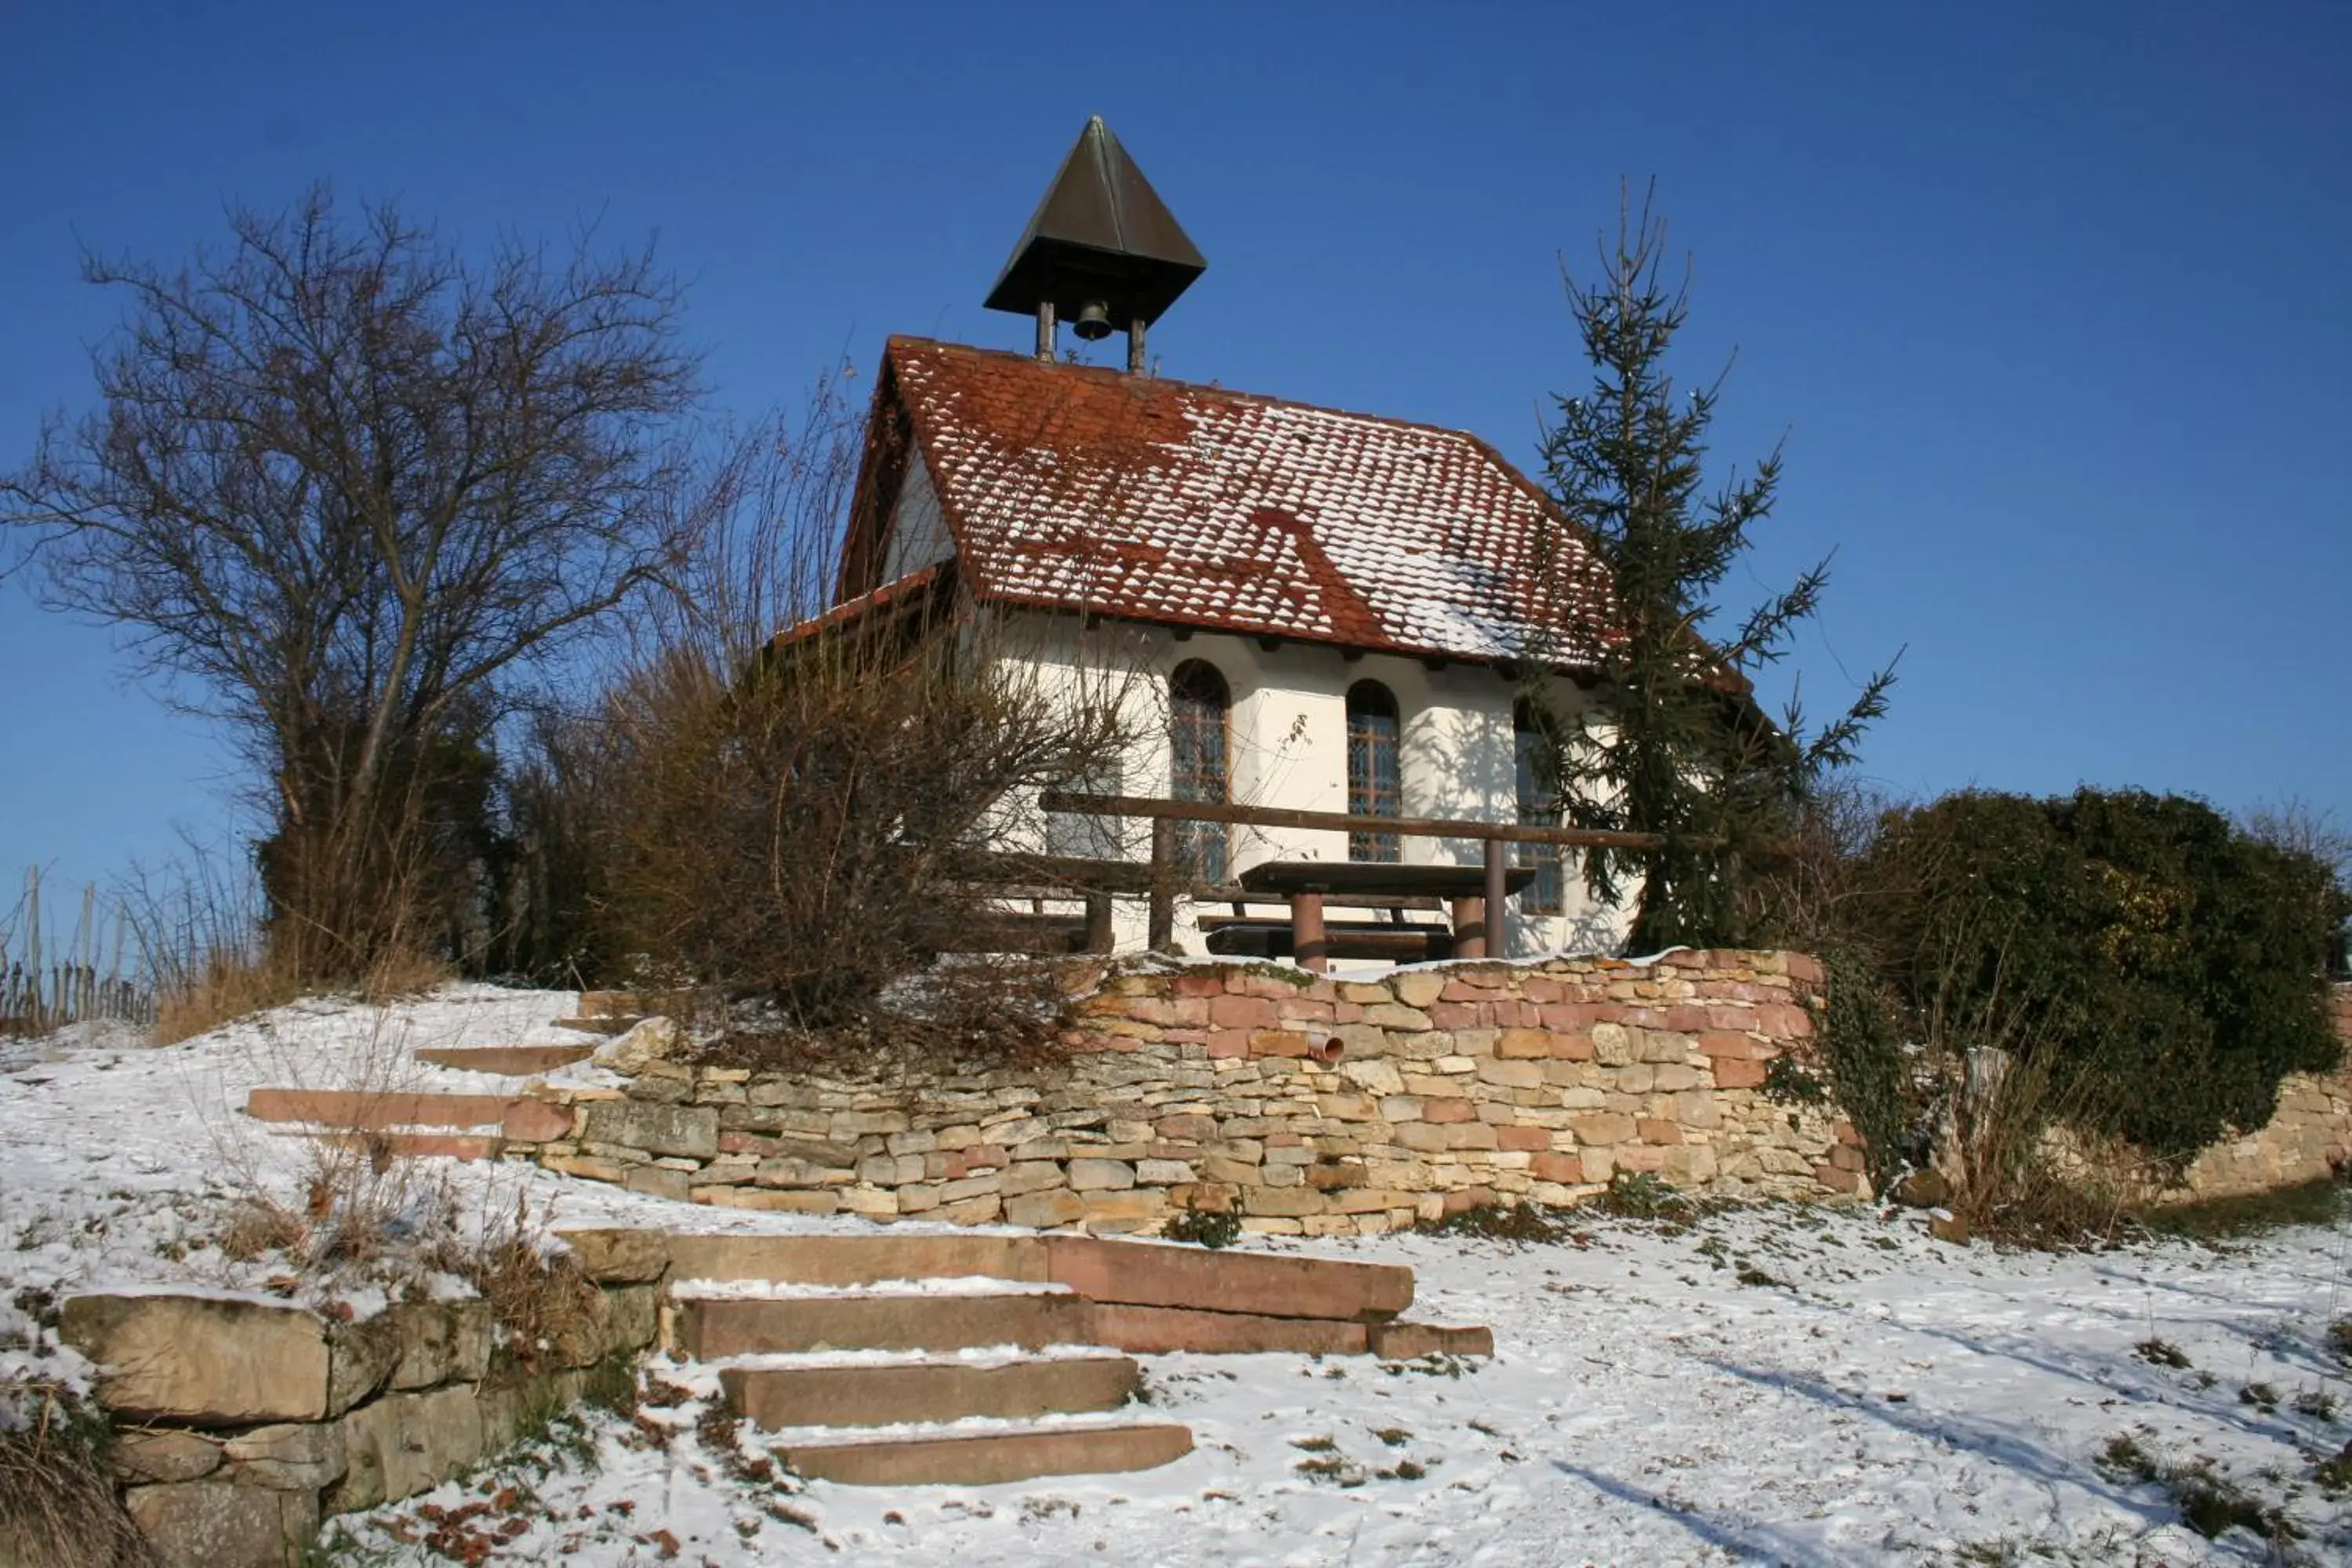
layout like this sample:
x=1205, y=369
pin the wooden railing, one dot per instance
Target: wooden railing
x=1160, y=881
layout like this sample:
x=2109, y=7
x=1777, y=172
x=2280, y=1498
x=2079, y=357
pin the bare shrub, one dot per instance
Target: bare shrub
x=794, y=819
x=547, y=1305
x=795, y=834
x=58, y=1502
x=197, y=923
x=350, y=1208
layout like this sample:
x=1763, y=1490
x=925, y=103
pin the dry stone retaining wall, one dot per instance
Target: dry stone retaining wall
x=2308, y=1139
x=241, y=1422
x=1304, y=1104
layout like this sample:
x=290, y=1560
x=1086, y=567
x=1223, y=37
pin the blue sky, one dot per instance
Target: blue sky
x=2050, y=302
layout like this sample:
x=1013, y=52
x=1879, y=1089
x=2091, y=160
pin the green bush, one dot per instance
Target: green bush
x=1202, y=1228
x=2165, y=968
x=1868, y=1070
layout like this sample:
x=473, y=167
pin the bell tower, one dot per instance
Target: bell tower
x=1102, y=249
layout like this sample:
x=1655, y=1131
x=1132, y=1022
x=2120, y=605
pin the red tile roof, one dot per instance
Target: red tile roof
x=1075, y=488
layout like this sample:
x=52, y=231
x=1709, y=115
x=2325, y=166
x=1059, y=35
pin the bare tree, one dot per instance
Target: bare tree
x=352, y=492
x=787, y=797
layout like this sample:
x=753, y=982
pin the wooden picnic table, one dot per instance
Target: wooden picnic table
x=1466, y=888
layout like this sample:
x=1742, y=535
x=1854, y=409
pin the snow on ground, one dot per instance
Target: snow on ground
x=1778, y=1386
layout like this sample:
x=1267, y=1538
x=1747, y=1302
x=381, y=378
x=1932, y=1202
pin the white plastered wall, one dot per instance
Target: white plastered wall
x=1289, y=747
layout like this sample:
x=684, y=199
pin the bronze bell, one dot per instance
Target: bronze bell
x=1101, y=252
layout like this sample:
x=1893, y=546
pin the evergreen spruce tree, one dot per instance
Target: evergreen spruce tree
x=1674, y=743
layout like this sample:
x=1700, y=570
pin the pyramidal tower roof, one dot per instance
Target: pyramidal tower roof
x=1101, y=237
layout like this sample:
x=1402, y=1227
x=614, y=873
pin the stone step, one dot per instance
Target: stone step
x=1139, y=1273
x=1159, y=1274
x=505, y=1061
x=520, y=1117
x=857, y=1259
x=712, y=1327
x=614, y=1024
x=1157, y=1330
x=421, y=1145
x=891, y=1394
x=987, y=1458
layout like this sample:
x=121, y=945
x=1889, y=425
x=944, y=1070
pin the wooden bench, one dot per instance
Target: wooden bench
x=1263, y=936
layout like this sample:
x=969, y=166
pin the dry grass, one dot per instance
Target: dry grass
x=224, y=985
x=549, y=1308
x=403, y=973
x=58, y=1502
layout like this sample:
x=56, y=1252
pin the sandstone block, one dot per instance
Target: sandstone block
x=1280, y=1043
x=289, y=1457
x=876, y=1203
x=213, y=1524
x=1117, y=1212
x=1512, y=1074
x=405, y=1444
x=1612, y=1045
x=1374, y=1078
x=1100, y=1175
x=1663, y=1045
x=1569, y=1169
x=588, y=1167
x=861, y=1124
x=1030, y=1176
x=1415, y=988
x=659, y=1182
x=970, y=1187
x=1233, y=1012
x=1163, y=1172
x=618, y=1257
x=688, y=1130
x=788, y=1171
x=1603, y=1130
x=1283, y=1202
x=1730, y=1072
x=1043, y=1210
x=361, y=1356
x=1524, y=1043
x=204, y=1361
x=647, y=1041
x=146, y=1458
x=1691, y=1164
x=984, y=1210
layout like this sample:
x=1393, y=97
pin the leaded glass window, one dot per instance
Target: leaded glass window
x=1538, y=807
x=1373, y=787
x=1200, y=708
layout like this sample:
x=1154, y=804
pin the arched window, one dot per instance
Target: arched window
x=1200, y=708
x=1538, y=807
x=1373, y=789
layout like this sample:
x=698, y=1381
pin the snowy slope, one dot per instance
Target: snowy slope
x=1868, y=1395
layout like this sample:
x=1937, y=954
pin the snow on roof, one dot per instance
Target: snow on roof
x=1169, y=501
